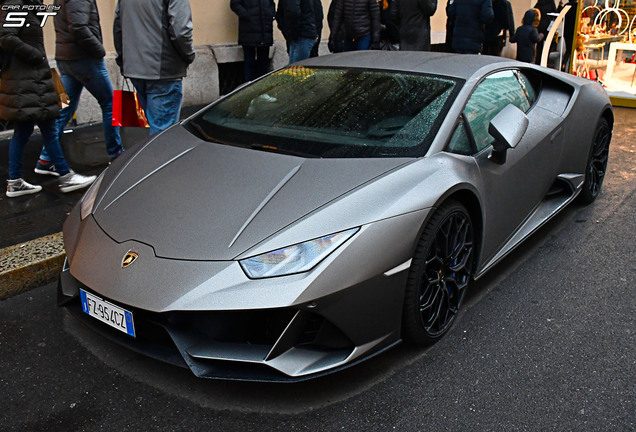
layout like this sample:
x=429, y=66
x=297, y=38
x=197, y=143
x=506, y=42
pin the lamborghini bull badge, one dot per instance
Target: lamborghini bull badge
x=129, y=258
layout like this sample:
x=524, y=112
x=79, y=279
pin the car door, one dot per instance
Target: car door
x=513, y=189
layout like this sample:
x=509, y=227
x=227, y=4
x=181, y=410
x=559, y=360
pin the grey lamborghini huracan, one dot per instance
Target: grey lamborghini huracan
x=329, y=210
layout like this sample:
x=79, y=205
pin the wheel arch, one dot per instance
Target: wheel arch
x=468, y=197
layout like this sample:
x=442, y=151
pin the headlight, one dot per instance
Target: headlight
x=89, y=198
x=297, y=258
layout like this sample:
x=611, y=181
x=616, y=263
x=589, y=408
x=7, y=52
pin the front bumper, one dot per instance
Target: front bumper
x=275, y=345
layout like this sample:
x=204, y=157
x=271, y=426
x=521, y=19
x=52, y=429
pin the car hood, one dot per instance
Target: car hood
x=195, y=200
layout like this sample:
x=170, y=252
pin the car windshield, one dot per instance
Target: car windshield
x=331, y=113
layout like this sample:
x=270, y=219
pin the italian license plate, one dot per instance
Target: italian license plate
x=108, y=313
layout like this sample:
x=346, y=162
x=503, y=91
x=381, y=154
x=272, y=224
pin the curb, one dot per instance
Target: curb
x=31, y=264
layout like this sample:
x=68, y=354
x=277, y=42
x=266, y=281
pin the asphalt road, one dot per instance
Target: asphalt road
x=546, y=342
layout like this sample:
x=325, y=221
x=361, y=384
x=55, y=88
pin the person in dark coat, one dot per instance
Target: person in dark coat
x=469, y=18
x=413, y=18
x=545, y=7
x=79, y=54
x=361, y=21
x=569, y=30
x=320, y=16
x=336, y=35
x=448, y=39
x=27, y=98
x=526, y=36
x=504, y=21
x=389, y=30
x=296, y=19
x=255, y=34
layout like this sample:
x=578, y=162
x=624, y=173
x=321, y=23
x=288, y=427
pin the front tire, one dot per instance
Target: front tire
x=441, y=270
x=596, y=162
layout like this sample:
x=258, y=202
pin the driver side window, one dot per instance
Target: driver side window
x=489, y=98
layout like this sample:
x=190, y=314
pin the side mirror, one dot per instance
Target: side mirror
x=508, y=127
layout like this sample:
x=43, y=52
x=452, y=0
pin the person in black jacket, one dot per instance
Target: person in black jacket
x=296, y=19
x=361, y=21
x=27, y=98
x=79, y=54
x=336, y=35
x=319, y=15
x=413, y=17
x=469, y=18
x=504, y=21
x=569, y=30
x=526, y=36
x=255, y=34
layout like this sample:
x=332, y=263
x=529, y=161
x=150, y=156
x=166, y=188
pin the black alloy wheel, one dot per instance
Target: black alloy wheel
x=597, y=162
x=441, y=270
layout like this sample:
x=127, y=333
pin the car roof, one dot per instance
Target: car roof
x=461, y=66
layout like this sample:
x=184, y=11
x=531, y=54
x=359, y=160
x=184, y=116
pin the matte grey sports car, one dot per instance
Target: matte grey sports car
x=326, y=212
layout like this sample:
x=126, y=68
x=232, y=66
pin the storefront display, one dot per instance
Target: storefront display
x=606, y=47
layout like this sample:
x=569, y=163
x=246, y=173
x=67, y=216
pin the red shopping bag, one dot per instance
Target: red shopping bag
x=127, y=111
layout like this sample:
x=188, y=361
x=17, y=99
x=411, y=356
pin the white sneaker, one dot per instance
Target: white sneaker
x=19, y=187
x=73, y=181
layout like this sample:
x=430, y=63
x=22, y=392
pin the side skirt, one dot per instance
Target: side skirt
x=555, y=201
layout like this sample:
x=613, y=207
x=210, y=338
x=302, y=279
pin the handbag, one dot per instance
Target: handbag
x=509, y=50
x=62, y=97
x=127, y=110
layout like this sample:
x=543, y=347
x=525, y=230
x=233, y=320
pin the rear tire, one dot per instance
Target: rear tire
x=441, y=270
x=596, y=162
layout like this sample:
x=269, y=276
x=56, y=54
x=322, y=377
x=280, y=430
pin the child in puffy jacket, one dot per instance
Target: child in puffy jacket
x=527, y=36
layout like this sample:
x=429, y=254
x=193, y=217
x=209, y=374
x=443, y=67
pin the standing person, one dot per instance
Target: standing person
x=469, y=18
x=503, y=21
x=545, y=7
x=389, y=30
x=361, y=21
x=153, y=40
x=570, y=29
x=319, y=15
x=413, y=18
x=448, y=40
x=79, y=54
x=27, y=98
x=255, y=34
x=336, y=35
x=526, y=36
x=296, y=19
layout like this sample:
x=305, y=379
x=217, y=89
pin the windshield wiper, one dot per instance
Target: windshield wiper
x=273, y=149
x=197, y=127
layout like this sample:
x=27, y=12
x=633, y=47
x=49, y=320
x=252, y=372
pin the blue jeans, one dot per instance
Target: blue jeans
x=93, y=75
x=300, y=49
x=22, y=131
x=360, y=44
x=161, y=101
